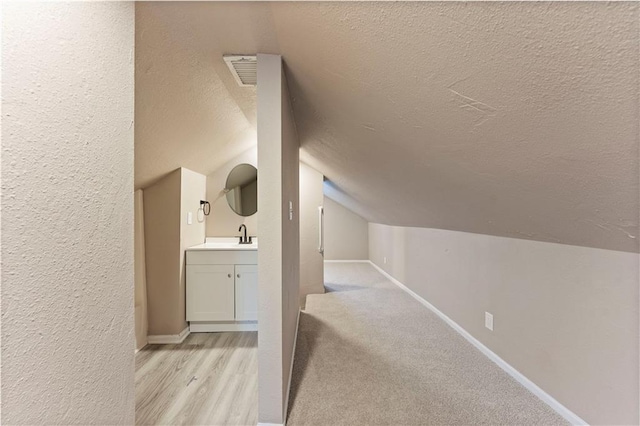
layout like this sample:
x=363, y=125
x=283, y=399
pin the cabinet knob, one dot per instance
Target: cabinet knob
x=238, y=275
x=229, y=275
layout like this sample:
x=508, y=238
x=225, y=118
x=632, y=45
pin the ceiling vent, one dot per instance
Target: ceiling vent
x=244, y=69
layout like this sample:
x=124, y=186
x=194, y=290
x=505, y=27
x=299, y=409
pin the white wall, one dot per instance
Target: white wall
x=67, y=220
x=311, y=260
x=224, y=222
x=564, y=316
x=279, y=249
x=346, y=234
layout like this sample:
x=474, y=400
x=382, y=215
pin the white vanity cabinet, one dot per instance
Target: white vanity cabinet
x=222, y=289
x=246, y=292
x=210, y=293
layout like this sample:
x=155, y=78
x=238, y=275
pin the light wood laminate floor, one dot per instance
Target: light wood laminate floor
x=209, y=379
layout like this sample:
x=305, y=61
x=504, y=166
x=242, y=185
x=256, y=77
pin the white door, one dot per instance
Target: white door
x=210, y=293
x=246, y=292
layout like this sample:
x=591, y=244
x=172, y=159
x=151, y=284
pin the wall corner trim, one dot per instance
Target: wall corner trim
x=168, y=339
x=569, y=415
x=293, y=357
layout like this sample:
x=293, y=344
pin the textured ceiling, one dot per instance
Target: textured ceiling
x=190, y=112
x=511, y=119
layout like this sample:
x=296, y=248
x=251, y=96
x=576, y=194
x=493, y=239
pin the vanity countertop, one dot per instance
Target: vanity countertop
x=212, y=243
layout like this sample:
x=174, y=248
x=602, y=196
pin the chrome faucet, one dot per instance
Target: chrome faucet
x=245, y=239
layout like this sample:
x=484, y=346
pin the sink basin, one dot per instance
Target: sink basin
x=225, y=244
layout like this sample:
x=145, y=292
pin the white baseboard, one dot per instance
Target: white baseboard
x=270, y=424
x=347, y=261
x=168, y=339
x=521, y=378
x=217, y=328
x=293, y=355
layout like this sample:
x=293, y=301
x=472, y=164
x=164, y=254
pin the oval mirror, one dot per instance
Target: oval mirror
x=242, y=189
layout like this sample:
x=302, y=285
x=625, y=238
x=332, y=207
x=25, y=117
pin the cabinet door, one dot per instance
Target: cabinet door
x=210, y=292
x=246, y=292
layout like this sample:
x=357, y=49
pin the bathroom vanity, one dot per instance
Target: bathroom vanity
x=222, y=286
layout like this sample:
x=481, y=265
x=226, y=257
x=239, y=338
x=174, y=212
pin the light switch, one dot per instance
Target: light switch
x=189, y=218
x=488, y=320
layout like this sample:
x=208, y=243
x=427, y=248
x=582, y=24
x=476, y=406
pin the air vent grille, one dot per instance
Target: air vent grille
x=244, y=69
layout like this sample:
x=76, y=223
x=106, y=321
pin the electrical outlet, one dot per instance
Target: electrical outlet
x=290, y=210
x=385, y=260
x=189, y=218
x=488, y=320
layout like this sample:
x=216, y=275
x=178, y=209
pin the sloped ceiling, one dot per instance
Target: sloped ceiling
x=189, y=111
x=510, y=119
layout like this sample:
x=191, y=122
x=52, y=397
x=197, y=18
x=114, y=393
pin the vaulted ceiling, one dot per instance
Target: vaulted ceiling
x=189, y=111
x=511, y=119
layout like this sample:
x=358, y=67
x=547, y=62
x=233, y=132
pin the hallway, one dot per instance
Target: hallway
x=368, y=353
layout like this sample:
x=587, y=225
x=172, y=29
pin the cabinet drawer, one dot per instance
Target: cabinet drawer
x=222, y=257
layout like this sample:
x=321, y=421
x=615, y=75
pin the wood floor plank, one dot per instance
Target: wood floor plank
x=157, y=388
x=218, y=402
x=210, y=378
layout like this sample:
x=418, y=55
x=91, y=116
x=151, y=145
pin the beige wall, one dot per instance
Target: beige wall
x=67, y=219
x=311, y=260
x=565, y=316
x=167, y=235
x=162, y=220
x=140, y=294
x=279, y=250
x=193, y=188
x=346, y=235
x=224, y=222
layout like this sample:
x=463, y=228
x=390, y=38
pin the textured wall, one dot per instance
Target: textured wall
x=346, y=234
x=162, y=212
x=279, y=252
x=311, y=260
x=564, y=316
x=67, y=220
x=224, y=222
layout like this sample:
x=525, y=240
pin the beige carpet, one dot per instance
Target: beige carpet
x=368, y=353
